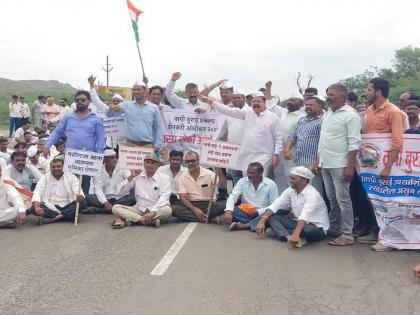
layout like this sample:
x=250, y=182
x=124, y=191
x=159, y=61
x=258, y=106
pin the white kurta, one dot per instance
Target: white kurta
x=10, y=202
x=262, y=136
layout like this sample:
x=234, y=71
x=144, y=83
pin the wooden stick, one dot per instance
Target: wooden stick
x=76, y=217
x=213, y=188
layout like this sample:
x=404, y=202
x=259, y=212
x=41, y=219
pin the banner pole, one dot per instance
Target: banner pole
x=76, y=216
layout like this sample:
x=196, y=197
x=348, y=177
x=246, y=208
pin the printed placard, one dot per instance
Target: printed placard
x=114, y=126
x=82, y=162
x=219, y=154
x=131, y=158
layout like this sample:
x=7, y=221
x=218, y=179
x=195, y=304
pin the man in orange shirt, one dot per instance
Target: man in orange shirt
x=383, y=117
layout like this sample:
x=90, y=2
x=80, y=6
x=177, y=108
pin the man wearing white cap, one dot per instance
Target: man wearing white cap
x=304, y=138
x=107, y=186
x=225, y=89
x=262, y=140
x=191, y=103
x=152, y=190
x=307, y=214
x=288, y=122
x=12, y=209
x=142, y=119
x=34, y=159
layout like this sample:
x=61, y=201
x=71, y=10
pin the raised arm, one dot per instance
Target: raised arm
x=206, y=91
x=174, y=99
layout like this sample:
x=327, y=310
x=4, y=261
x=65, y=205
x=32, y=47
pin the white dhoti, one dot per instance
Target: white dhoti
x=8, y=214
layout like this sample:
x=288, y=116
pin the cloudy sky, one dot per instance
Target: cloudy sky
x=247, y=42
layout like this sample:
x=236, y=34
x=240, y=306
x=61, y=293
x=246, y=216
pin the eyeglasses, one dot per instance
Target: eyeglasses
x=80, y=100
x=190, y=161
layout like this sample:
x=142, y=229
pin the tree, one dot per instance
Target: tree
x=407, y=61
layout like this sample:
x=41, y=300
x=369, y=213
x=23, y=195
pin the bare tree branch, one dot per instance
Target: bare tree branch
x=299, y=76
x=310, y=78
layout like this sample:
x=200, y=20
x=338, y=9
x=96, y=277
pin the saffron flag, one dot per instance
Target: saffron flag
x=134, y=14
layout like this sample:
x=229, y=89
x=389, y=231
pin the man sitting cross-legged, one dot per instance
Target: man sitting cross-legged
x=152, y=190
x=12, y=209
x=107, y=186
x=56, y=195
x=195, y=193
x=307, y=217
x=256, y=192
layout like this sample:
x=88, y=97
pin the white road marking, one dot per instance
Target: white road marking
x=176, y=247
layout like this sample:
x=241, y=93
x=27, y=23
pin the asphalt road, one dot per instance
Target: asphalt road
x=92, y=269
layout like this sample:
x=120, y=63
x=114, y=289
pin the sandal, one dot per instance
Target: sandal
x=341, y=241
x=156, y=222
x=119, y=224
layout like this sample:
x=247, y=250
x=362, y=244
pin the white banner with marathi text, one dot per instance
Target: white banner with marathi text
x=396, y=200
x=82, y=162
x=184, y=130
x=131, y=158
x=219, y=154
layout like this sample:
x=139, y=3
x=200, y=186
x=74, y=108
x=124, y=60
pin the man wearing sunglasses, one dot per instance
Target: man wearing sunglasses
x=84, y=130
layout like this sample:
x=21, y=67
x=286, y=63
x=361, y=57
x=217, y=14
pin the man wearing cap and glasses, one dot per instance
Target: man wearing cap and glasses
x=142, y=118
x=151, y=190
x=84, y=130
x=307, y=214
x=107, y=186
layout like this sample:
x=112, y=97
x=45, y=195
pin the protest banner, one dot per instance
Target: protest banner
x=131, y=158
x=82, y=162
x=114, y=126
x=184, y=130
x=219, y=154
x=108, y=91
x=396, y=200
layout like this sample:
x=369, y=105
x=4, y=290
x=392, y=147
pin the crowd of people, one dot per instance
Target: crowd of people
x=297, y=178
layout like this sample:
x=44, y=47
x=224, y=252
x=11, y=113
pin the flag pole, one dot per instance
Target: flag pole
x=141, y=59
x=136, y=39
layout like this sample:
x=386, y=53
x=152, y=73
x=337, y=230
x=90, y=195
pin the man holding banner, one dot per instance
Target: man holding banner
x=84, y=130
x=56, y=195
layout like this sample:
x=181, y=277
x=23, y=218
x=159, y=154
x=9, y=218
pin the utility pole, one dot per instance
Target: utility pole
x=107, y=70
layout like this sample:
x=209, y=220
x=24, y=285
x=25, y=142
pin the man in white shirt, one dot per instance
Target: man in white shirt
x=25, y=175
x=107, y=186
x=307, y=218
x=26, y=126
x=174, y=170
x=65, y=109
x=12, y=209
x=5, y=152
x=36, y=110
x=15, y=115
x=97, y=106
x=34, y=158
x=56, y=195
x=256, y=193
x=262, y=140
x=191, y=103
x=25, y=110
x=152, y=190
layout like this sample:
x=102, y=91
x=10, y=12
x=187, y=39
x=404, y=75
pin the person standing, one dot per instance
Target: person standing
x=15, y=115
x=84, y=130
x=337, y=150
x=50, y=110
x=36, y=111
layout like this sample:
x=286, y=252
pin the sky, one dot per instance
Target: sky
x=247, y=42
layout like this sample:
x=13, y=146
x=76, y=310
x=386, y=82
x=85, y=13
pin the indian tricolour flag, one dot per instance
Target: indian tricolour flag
x=134, y=14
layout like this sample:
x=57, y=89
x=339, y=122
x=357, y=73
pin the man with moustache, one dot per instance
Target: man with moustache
x=262, y=140
x=56, y=195
x=25, y=175
x=142, y=118
x=412, y=109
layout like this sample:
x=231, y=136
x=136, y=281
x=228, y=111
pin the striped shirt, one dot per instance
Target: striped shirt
x=305, y=137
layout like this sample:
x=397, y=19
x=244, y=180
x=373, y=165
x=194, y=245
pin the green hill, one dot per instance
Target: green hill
x=30, y=89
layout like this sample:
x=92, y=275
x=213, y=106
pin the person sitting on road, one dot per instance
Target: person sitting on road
x=34, y=158
x=56, y=195
x=107, y=186
x=416, y=271
x=25, y=175
x=256, y=193
x=174, y=170
x=12, y=209
x=307, y=215
x=195, y=192
x=152, y=190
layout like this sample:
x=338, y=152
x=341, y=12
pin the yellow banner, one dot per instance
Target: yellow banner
x=108, y=91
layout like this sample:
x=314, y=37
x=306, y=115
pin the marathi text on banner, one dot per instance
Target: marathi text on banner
x=184, y=130
x=219, y=154
x=83, y=162
x=396, y=200
x=109, y=91
x=114, y=126
x=131, y=158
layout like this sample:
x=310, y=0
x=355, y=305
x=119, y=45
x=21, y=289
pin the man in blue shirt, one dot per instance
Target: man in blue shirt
x=142, y=118
x=256, y=192
x=84, y=131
